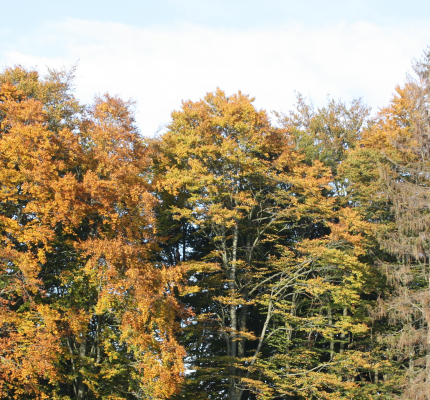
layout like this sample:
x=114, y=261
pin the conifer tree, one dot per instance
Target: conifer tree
x=402, y=135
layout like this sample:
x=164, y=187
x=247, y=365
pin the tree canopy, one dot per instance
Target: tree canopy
x=240, y=255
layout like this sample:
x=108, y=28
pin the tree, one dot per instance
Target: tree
x=402, y=137
x=283, y=265
x=85, y=312
x=54, y=91
x=333, y=134
x=327, y=133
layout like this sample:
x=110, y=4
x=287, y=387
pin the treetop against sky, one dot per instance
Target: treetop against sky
x=159, y=53
x=230, y=257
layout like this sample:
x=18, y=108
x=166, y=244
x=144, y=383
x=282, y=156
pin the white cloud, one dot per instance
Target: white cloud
x=159, y=67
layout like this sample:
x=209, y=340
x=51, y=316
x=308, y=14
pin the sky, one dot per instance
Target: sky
x=165, y=51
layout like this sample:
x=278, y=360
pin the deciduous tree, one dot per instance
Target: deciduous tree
x=283, y=275
x=85, y=313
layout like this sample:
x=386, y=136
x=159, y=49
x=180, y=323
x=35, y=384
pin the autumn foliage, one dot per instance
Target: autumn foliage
x=85, y=311
x=237, y=256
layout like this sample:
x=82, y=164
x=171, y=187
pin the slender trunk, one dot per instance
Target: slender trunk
x=242, y=326
x=427, y=318
x=233, y=313
x=81, y=386
x=232, y=288
x=258, y=349
x=289, y=334
x=330, y=321
x=95, y=348
x=244, y=311
x=242, y=341
x=184, y=242
x=343, y=334
x=71, y=346
x=411, y=365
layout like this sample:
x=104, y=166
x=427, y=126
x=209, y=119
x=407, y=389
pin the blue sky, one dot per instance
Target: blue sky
x=159, y=52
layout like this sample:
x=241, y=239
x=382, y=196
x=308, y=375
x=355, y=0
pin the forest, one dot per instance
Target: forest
x=239, y=255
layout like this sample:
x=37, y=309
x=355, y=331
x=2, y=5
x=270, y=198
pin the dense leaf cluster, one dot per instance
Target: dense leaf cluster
x=230, y=258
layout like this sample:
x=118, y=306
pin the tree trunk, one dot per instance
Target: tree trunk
x=81, y=386
x=343, y=334
x=330, y=321
x=233, y=313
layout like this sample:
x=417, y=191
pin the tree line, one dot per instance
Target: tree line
x=239, y=255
